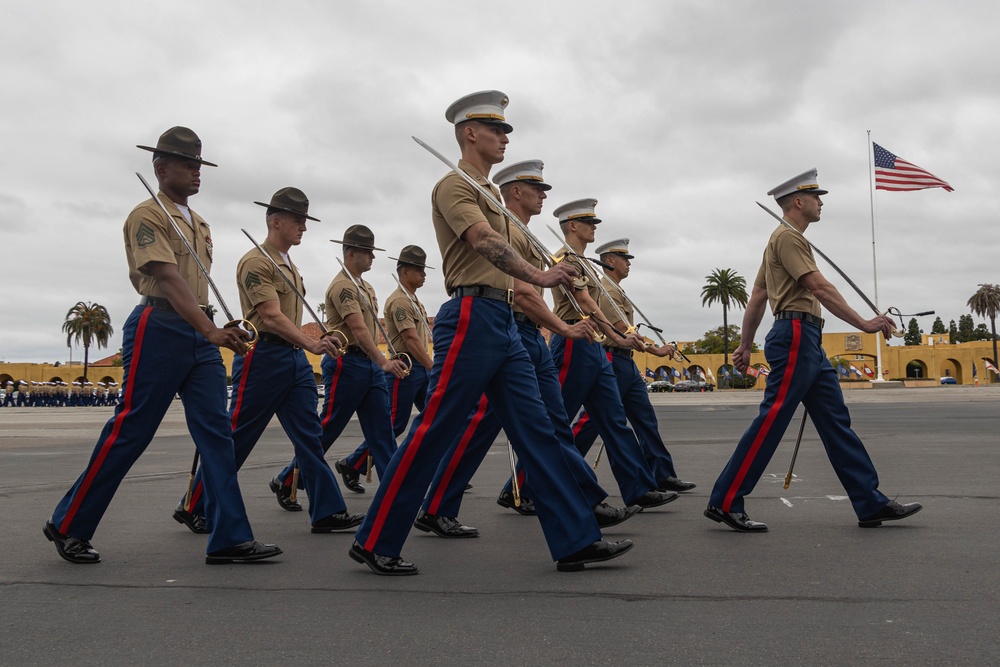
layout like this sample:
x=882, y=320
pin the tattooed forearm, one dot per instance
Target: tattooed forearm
x=498, y=252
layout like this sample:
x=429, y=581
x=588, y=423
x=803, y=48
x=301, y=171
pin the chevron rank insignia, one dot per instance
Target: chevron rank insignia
x=251, y=280
x=400, y=314
x=346, y=295
x=145, y=236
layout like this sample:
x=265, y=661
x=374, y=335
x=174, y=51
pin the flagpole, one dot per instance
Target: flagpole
x=871, y=190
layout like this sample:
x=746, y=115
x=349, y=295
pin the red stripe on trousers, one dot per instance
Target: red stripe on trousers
x=457, y=456
x=116, y=430
x=772, y=414
x=239, y=390
x=567, y=357
x=580, y=423
x=428, y=418
x=395, y=401
x=329, y=408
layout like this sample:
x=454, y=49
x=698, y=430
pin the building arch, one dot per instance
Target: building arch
x=55, y=378
x=4, y=379
x=107, y=379
x=917, y=368
x=952, y=367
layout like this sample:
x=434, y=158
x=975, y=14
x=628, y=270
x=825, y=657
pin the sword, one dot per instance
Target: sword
x=597, y=281
x=413, y=302
x=677, y=355
x=291, y=284
x=515, y=487
x=795, y=452
x=211, y=283
x=404, y=357
x=547, y=257
x=898, y=333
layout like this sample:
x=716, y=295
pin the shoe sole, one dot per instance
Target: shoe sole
x=577, y=566
x=179, y=519
x=658, y=504
x=336, y=529
x=737, y=528
x=59, y=550
x=878, y=522
x=231, y=560
x=359, y=559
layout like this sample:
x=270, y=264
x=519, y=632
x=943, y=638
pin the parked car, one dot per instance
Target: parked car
x=947, y=379
x=693, y=385
x=660, y=386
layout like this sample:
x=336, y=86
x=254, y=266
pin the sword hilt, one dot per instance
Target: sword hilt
x=247, y=326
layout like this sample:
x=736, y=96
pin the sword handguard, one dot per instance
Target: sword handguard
x=341, y=339
x=247, y=326
x=405, y=359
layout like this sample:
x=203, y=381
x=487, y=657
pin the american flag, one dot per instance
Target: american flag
x=898, y=175
x=990, y=366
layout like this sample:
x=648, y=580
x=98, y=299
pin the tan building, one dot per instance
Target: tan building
x=936, y=358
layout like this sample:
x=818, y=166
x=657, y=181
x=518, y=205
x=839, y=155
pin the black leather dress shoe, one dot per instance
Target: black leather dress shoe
x=443, y=526
x=384, y=565
x=339, y=521
x=891, y=512
x=656, y=498
x=738, y=521
x=595, y=552
x=607, y=515
x=70, y=548
x=350, y=476
x=674, y=484
x=284, y=496
x=526, y=508
x=195, y=523
x=468, y=487
x=243, y=553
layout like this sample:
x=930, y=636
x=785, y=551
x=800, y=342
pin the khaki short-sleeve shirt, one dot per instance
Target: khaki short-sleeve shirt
x=258, y=281
x=342, y=299
x=456, y=206
x=149, y=237
x=619, y=299
x=400, y=316
x=787, y=258
x=563, y=309
x=519, y=242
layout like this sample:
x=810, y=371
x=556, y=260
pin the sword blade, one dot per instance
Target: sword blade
x=363, y=295
x=593, y=276
x=829, y=261
x=190, y=249
x=288, y=281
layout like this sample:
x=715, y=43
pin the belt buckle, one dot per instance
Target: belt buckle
x=510, y=297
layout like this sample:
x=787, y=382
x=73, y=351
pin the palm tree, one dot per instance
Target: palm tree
x=730, y=289
x=322, y=309
x=88, y=323
x=986, y=303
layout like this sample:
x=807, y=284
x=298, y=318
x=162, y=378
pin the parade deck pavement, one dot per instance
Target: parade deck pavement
x=815, y=590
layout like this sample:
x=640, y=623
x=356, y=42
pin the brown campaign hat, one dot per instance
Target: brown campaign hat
x=292, y=200
x=179, y=141
x=413, y=254
x=358, y=236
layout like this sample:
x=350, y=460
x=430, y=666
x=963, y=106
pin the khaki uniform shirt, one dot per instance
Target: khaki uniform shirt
x=400, y=316
x=519, y=242
x=258, y=281
x=342, y=299
x=564, y=310
x=456, y=206
x=619, y=299
x=149, y=237
x=787, y=258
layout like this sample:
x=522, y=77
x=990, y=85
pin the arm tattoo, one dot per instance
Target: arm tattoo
x=499, y=253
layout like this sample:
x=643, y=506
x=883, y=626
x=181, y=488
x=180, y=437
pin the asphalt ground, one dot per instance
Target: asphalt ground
x=815, y=590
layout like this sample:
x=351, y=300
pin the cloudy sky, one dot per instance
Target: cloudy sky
x=676, y=116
